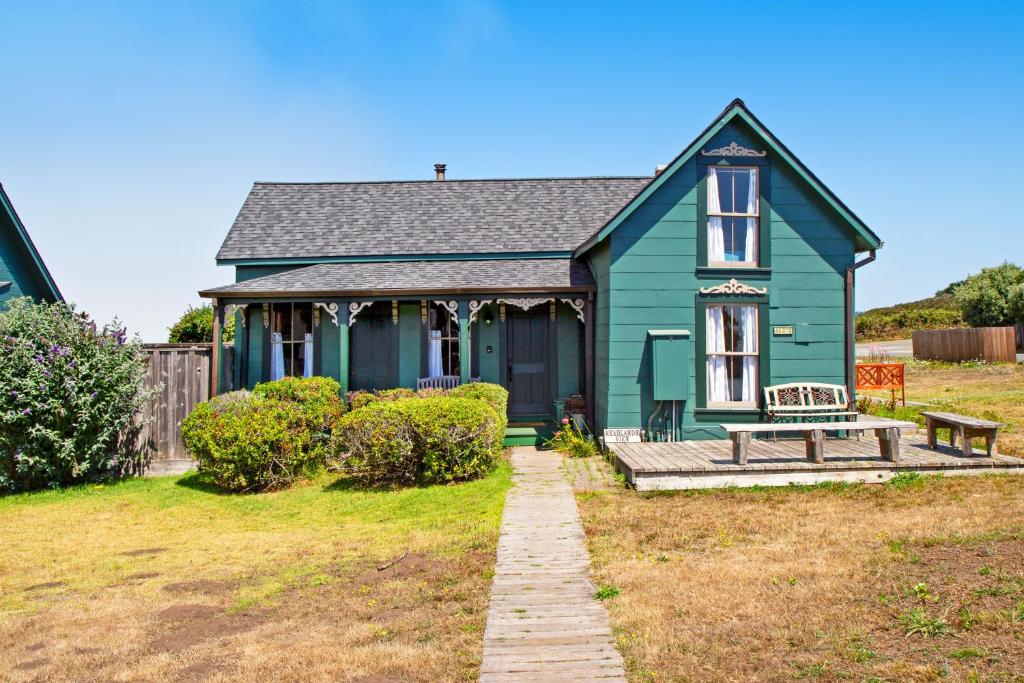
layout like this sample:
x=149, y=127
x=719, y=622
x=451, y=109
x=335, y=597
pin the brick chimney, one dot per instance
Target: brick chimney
x=439, y=171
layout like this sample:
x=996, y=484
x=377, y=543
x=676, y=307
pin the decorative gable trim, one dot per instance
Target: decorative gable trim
x=738, y=110
x=733, y=149
x=732, y=288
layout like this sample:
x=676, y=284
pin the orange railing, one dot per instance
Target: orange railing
x=882, y=376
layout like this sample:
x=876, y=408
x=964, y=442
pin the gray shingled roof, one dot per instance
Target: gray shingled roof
x=487, y=275
x=281, y=220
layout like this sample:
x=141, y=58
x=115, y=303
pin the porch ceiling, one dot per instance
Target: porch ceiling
x=417, y=277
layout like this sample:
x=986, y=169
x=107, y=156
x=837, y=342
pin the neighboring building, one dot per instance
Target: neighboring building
x=22, y=271
x=734, y=259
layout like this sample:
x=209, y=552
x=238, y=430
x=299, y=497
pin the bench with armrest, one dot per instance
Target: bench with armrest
x=887, y=431
x=807, y=399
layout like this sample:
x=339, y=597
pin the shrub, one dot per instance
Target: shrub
x=196, y=325
x=420, y=440
x=70, y=396
x=249, y=442
x=319, y=398
x=571, y=441
x=361, y=399
x=493, y=395
x=989, y=298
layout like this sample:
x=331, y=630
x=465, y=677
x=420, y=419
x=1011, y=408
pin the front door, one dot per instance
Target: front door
x=528, y=382
x=372, y=364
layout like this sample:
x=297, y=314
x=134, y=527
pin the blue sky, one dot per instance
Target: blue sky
x=131, y=132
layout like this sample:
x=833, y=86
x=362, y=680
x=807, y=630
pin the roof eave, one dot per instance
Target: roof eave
x=216, y=293
x=48, y=280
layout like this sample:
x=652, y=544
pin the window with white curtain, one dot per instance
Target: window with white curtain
x=732, y=348
x=442, y=343
x=733, y=216
x=291, y=340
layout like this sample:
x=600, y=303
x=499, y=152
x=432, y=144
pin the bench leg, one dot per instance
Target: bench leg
x=740, y=441
x=814, y=445
x=990, y=442
x=889, y=444
x=930, y=426
x=965, y=442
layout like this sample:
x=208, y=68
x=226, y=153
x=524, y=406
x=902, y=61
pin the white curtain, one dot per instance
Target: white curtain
x=751, y=243
x=716, y=231
x=307, y=355
x=718, y=382
x=434, y=354
x=276, y=356
x=748, y=327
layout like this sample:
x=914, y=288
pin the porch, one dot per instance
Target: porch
x=709, y=464
x=524, y=324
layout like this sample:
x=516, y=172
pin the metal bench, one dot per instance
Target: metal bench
x=887, y=431
x=965, y=427
x=807, y=399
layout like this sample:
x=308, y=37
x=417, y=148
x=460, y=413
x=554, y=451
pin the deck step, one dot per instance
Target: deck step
x=528, y=433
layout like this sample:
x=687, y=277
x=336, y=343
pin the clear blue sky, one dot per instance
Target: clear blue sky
x=131, y=132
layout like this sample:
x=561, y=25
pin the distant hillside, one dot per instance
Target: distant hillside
x=900, y=321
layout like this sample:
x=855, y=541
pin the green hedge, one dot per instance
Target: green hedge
x=425, y=440
x=266, y=439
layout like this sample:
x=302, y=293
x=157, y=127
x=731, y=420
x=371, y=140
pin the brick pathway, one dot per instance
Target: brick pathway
x=543, y=623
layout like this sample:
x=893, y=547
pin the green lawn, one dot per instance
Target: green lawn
x=162, y=578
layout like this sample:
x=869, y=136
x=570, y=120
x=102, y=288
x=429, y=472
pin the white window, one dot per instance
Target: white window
x=732, y=347
x=733, y=216
x=291, y=340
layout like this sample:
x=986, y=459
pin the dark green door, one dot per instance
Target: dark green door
x=373, y=344
x=528, y=381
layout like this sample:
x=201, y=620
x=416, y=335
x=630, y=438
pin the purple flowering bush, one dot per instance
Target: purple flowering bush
x=70, y=394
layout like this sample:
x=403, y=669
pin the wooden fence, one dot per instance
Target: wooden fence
x=183, y=370
x=991, y=344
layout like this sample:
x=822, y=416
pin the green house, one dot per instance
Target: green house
x=635, y=301
x=22, y=271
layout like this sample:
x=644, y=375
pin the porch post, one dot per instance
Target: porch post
x=464, y=350
x=343, y=357
x=215, y=351
x=588, y=357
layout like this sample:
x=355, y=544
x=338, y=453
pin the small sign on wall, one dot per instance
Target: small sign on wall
x=783, y=330
x=623, y=435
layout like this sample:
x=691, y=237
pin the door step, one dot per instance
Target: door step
x=529, y=433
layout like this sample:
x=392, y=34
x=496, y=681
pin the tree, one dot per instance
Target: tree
x=196, y=325
x=993, y=297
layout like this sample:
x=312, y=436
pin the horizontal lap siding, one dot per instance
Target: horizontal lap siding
x=652, y=284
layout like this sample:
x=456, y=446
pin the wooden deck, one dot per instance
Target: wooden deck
x=708, y=464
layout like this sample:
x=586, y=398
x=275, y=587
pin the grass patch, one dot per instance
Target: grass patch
x=102, y=581
x=855, y=583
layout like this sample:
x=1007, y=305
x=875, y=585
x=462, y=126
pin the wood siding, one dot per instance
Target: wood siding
x=648, y=278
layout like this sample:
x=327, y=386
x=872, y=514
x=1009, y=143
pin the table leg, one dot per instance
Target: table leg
x=965, y=445
x=740, y=441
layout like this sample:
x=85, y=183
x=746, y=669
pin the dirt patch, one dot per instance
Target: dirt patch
x=44, y=586
x=142, y=576
x=199, y=671
x=35, y=646
x=411, y=565
x=194, y=624
x=32, y=664
x=86, y=650
x=145, y=551
x=377, y=679
x=203, y=586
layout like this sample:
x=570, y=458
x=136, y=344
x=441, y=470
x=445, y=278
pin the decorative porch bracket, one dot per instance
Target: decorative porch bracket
x=525, y=304
x=475, y=307
x=331, y=309
x=452, y=307
x=354, y=308
x=578, y=306
x=231, y=309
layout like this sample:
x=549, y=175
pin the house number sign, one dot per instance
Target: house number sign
x=622, y=435
x=783, y=331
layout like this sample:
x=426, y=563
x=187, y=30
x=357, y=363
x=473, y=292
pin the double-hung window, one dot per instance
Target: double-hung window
x=442, y=343
x=291, y=340
x=732, y=350
x=733, y=216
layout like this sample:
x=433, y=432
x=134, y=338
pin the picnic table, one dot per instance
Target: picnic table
x=887, y=431
x=963, y=427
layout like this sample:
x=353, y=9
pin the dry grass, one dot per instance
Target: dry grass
x=165, y=579
x=816, y=583
x=990, y=391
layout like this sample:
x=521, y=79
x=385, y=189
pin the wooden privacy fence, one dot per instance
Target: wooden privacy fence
x=183, y=370
x=882, y=376
x=990, y=344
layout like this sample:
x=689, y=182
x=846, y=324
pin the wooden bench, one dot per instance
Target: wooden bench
x=807, y=399
x=439, y=382
x=887, y=431
x=964, y=427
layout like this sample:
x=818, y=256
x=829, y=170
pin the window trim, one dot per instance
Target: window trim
x=713, y=410
x=764, y=236
x=730, y=405
x=757, y=235
x=435, y=309
x=314, y=330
